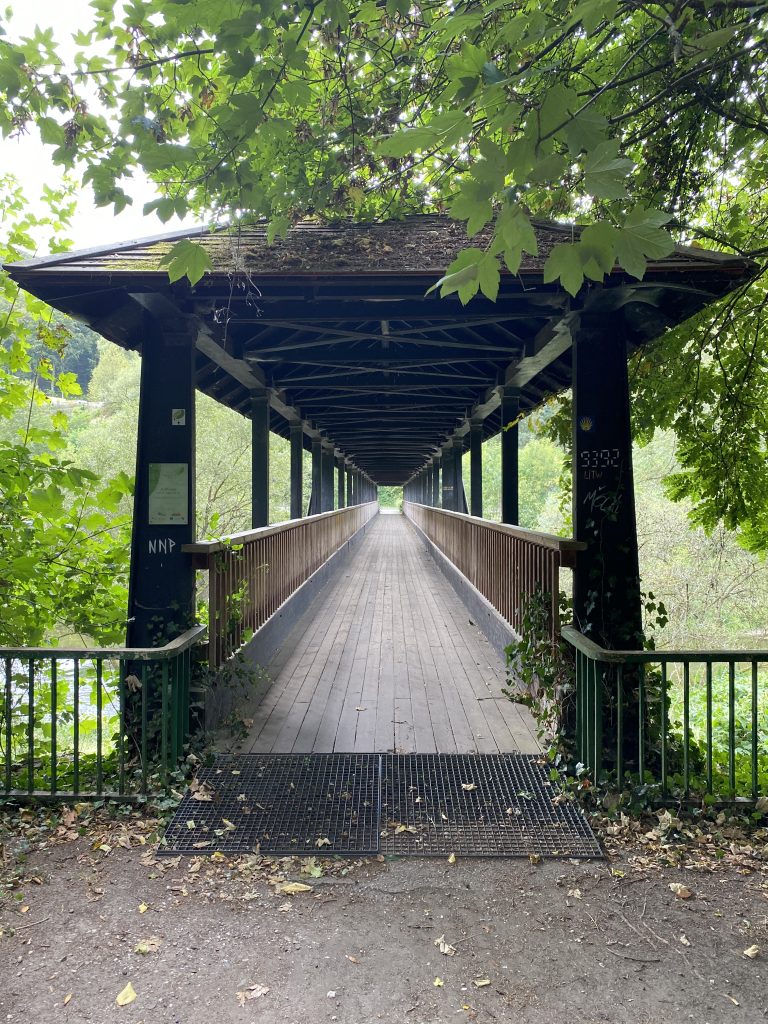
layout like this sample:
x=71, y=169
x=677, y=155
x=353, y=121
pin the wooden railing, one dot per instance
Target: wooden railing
x=251, y=574
x=507, y=564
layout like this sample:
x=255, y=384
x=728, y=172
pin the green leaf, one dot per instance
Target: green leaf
x=489, y=276
x=462, y=276
x=186, y=259
x=597, y=248
x=586, y=132
x=642, y=238
x=516, y=234
x=605, y=172
x=564, y=264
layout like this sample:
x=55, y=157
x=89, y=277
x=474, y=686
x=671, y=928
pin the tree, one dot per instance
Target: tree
x=643, y=117
x=63, y=559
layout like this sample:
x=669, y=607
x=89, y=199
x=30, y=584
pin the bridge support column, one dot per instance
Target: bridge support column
x=314, y=497
x=459, y=501
x=161, y=591
x=297, y=469
x=607, y=580
x=259, y=459
x=476, y=469
x=350, y=480
x=449, y=477
x=510, y=409
x=340, y=489
x=326, y=480
x=436, y=481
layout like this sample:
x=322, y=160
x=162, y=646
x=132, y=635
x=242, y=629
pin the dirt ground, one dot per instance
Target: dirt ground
x=86, y=909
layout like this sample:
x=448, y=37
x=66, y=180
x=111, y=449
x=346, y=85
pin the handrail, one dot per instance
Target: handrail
x=170, y=650
x=583, y=643
x=207, y=547
x=546, y=540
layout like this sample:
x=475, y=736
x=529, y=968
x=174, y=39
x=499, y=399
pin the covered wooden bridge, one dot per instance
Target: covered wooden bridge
x=383, y=633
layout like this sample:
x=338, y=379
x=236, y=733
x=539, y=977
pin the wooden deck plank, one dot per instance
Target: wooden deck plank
x=390, y=635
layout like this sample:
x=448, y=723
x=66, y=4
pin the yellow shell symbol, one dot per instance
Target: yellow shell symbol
x=585, y=423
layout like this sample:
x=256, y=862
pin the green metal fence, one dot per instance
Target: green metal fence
x=106, y=722
x=694, y=724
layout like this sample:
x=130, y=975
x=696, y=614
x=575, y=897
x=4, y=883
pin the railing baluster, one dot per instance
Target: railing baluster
x=664, y=698
x=144, y=725
x=76, y=726
x=754, y=736
x=99, y=727
x=642, y=711
x=710, y=782
x=8, y=725
x=54, y=725
x=31, y=727
x=686, y=728
x=731, y=727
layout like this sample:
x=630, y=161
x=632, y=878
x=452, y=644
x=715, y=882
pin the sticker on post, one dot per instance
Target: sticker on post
x=178, y=417
x=168, y=494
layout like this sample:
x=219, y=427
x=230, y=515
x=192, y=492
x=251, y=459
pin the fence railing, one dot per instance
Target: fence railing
x=507, y=564
x=251, y=574
x=102, y=722
x=692, y=723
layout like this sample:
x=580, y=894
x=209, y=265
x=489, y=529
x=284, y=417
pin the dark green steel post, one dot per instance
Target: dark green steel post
x=340, y=491
x=161, y=592
x=259, y=459
x=326, y=482
x=459, y=500
x=297, y=469
x=436, y=481
x=476, y=469
x=607, y=579
x=510, y=409
x=448, y=497
x=350, y=478
x=314, y=499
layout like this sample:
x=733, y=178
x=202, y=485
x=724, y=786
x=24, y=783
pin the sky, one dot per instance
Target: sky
x=30, y=161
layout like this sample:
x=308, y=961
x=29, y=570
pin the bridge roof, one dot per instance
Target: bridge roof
x=335, y=321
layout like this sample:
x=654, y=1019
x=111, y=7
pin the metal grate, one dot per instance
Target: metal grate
x=478, y=805
x=424, y=805
x=281, y=804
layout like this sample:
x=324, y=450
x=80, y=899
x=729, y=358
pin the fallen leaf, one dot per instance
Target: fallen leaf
x=445, y=947
x=451, y=858
x=150, y=945
x=685, y=940
x=191, y=823
x=143, y=908
x=734, y=1001
x=126, y=996
x=525, y=794
x=752, y=952
x=285, y=907
x=293, y=888
x=252, y=992
x=352, y=959
x=438, y=983
x=481, y=982
x=24, y=910
x=575, y=893
x=468, y=786
x=681, y=891
x=534, y=858
x=323, y=841
x=405, y=828
x=228, y=825
x=67, y=997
